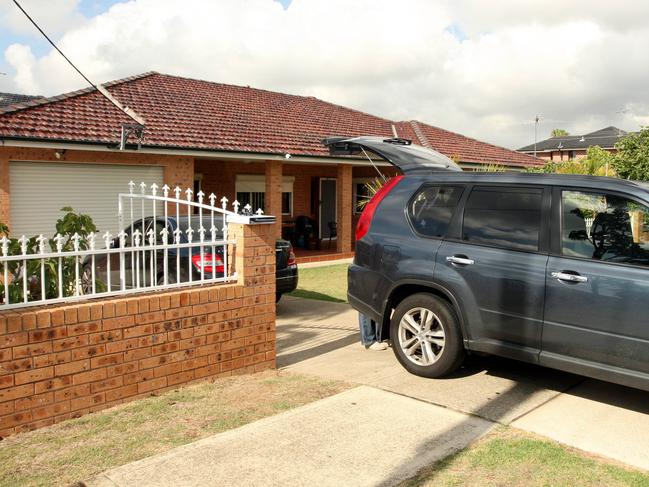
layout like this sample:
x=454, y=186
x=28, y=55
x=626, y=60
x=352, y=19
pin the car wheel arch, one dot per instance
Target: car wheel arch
x=404, y=288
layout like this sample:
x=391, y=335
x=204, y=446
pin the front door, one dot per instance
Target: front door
x=597, y=287
x=328, y=215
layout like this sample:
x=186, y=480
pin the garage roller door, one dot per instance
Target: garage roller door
x=39, y=190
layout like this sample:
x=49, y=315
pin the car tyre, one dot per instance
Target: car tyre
x=426, y=336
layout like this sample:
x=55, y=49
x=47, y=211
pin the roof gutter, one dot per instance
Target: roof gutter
x=199, y=153
x=215, y=154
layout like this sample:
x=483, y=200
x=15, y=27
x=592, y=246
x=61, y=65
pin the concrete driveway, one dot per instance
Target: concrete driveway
x=321, y=338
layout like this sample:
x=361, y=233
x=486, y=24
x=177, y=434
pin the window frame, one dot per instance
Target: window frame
x=460, y=204
x=246, y=179
x=557, y=221
x=457, y=224
x=290, y=200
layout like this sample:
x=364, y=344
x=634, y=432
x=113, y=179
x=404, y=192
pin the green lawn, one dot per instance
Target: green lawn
x=509, y=457
x=327, y=283
x=81, y=448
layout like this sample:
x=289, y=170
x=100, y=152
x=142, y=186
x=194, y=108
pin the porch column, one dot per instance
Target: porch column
x=344, y=207
x=273, y=195
x=4, y=189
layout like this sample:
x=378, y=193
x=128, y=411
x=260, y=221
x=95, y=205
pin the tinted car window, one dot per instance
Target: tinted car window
x=604, y=227
x=431, y=209
x=504, y=217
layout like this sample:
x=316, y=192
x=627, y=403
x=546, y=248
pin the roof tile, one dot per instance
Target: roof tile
x=194, y=114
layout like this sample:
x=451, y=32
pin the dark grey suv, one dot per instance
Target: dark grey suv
x=548, y=269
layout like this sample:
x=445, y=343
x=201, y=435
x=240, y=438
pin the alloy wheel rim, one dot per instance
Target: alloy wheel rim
x=421, y=336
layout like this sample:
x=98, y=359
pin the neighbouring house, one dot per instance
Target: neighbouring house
x=258, y=146
x=7, y=99
x=568, y=147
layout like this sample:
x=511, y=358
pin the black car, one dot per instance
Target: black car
x=179, y=266
x=545, y=268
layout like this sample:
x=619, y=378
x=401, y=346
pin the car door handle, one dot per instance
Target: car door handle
x=564, y=276
x=455, y=259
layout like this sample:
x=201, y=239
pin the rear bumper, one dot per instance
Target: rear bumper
x=287, y=280
x=364, y=308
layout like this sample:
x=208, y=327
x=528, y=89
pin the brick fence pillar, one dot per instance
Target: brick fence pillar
x=254, y=252
x=273, y=196
x=344, y=193
x=255, y=267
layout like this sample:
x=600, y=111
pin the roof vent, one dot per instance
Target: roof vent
x=583, y=139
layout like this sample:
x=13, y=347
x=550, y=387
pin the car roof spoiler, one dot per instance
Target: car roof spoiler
x=401, y=153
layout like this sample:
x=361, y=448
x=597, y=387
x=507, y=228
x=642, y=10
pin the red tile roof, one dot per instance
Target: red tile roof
x=465, y=149
x=192, y=114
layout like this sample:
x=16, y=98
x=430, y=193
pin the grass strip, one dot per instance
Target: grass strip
x=80, y=448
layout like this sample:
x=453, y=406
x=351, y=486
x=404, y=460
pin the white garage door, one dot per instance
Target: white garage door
x=39, y=191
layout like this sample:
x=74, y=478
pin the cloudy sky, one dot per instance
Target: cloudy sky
x=483, y=68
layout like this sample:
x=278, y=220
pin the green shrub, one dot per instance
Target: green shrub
x=67, y=226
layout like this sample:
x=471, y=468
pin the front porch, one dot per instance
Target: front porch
x=318, y=202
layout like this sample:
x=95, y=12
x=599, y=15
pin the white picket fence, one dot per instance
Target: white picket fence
x=186, y=246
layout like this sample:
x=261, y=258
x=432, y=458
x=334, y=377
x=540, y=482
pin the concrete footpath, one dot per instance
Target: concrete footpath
x=361, y=437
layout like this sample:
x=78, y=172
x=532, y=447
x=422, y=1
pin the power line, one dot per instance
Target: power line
x=53, y=45
x=99, y=87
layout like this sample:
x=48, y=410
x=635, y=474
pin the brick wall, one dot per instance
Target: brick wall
x=59, y=362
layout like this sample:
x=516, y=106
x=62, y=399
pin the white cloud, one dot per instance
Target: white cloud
x=54, y=16
x=21, y=57
x=577, y=65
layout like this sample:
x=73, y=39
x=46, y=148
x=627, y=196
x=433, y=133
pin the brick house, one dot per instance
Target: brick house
x=258, y=146
x=566, y=147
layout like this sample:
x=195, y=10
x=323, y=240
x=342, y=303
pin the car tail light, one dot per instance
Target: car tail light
x=208, y=262
x=291, y=258
x=365, y=220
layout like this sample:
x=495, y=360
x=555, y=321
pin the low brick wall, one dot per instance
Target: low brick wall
x=59, y=362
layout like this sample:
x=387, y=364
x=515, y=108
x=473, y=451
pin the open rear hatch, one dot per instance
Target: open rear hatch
x=401, y=153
